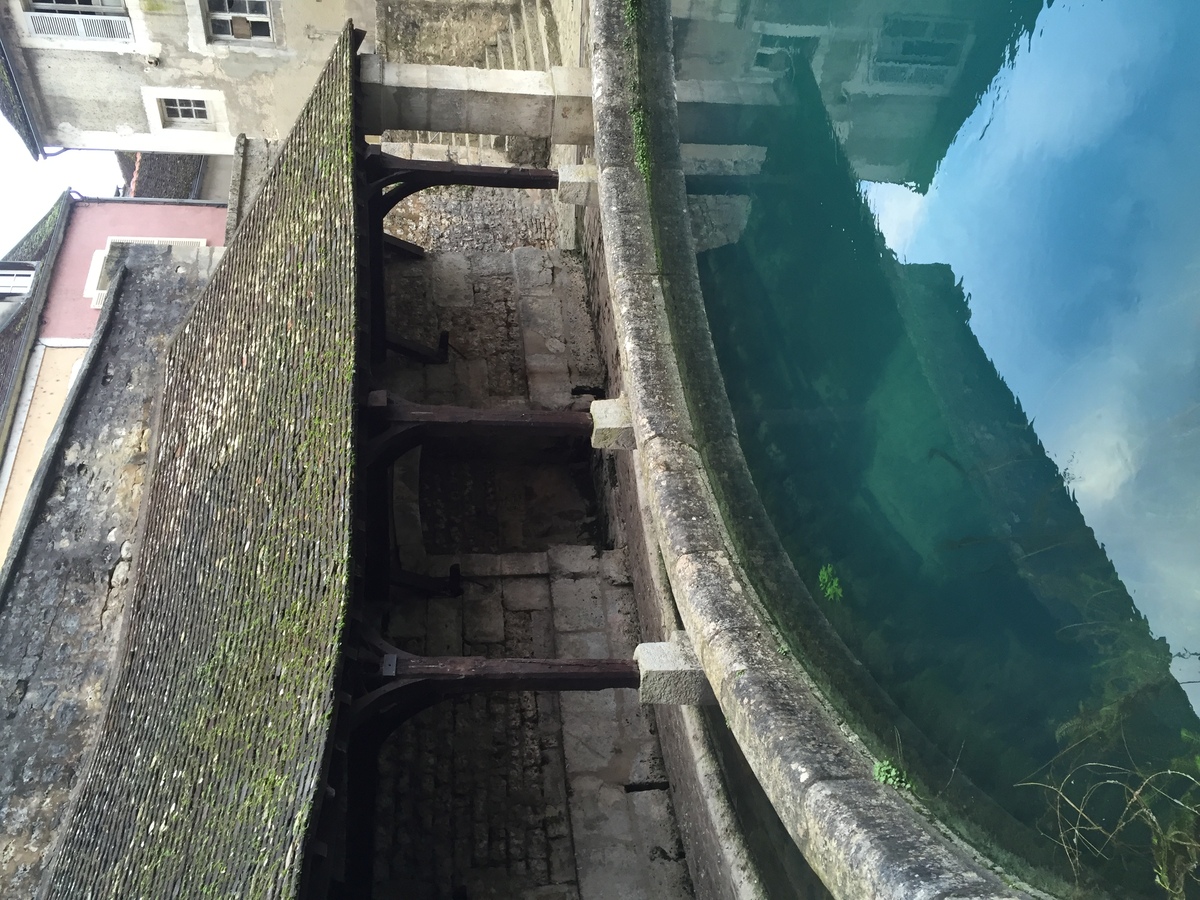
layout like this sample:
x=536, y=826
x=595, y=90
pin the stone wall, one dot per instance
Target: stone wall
x=66, y=583
x=863, y=838
x=527, y=795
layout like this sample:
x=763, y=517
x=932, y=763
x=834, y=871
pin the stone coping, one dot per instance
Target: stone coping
x=863, y=839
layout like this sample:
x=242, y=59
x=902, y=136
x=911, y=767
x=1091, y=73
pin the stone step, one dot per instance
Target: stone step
x=534, y=50
x=520, y=60
x=548, y=33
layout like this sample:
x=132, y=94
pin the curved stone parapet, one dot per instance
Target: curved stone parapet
x=863, y=839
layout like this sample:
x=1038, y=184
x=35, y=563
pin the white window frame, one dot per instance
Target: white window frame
x=126, y=35
x=96, y=286
x=946, y=73
x=214, y=104
x=181, y=106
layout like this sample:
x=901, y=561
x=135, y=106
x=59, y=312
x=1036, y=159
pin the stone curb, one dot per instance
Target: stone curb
x=864, y=840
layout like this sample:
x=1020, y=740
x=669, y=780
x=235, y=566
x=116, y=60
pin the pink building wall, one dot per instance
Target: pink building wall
x=68, y=313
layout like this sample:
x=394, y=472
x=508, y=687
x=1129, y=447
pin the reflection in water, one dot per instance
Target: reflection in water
x=891, y=454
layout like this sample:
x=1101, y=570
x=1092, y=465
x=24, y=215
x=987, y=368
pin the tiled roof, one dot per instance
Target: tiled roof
x=11, y=107
x=168, y=176
x=205, y=775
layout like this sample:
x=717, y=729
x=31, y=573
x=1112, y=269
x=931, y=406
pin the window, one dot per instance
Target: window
x=919, y=51
x=93, y=19
x=15, y=281
x=239, y=20
x=778, y=52
x=184, y=111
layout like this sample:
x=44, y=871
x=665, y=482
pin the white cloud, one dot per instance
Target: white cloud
x=899, y=211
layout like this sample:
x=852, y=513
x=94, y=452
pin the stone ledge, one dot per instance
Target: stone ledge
x=864, y=840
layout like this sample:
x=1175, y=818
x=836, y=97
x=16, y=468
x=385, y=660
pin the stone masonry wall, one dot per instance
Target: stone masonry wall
x=515, y=795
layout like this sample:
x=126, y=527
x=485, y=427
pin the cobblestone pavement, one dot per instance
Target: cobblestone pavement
x=533, y=796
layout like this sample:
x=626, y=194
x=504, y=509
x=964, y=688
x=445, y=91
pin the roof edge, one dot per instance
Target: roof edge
x=27, y=127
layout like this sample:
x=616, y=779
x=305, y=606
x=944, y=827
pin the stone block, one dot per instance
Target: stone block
x=572, y=121
x=508, y=102
x=583, y=645
x=541, y=309
x=614, y=566
x=573, y=559
x=591, y=740
x=562, y=860
x=451, y=279
x=489, y=265
x=524, y=564
x=483, y=620
x=444, y=627
x=533, y=268
x=579, y=185
x=552, y=892
x=671, y=673
x=577, y=604
x=526, y=593
x=612, y=425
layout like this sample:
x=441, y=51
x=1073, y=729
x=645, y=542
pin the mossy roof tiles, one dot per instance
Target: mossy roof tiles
x=203, y=780
x=11, y=107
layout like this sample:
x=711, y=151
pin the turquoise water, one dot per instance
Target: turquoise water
x=959, y=329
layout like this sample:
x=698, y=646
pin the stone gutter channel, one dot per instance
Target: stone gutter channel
x=863, y=839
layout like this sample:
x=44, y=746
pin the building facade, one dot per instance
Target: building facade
x=183, y=77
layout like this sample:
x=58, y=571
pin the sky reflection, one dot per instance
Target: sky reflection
x=1068, y=206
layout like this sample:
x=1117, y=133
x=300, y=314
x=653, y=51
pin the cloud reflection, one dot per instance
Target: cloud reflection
x=1067, y=206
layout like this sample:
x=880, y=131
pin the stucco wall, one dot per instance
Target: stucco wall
x=101, y=93
x=68, y=314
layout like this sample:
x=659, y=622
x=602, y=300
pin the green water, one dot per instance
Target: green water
x=1029, y=607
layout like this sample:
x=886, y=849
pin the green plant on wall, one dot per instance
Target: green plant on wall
x=887, y=772
x=831, y=587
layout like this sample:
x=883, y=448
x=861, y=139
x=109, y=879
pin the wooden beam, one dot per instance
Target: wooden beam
x=476, y=673
x=408, y=248
x=454, y=421
x=439, y=172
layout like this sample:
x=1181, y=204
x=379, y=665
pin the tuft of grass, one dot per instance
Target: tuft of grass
x=633, y=13
x=641, y=139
